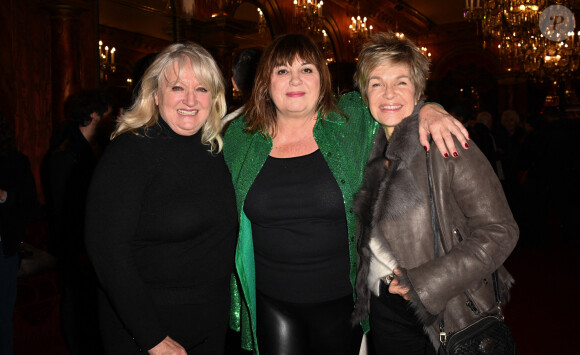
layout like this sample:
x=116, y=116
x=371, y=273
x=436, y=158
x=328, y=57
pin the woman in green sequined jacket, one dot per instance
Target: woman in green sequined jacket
x=296, y=162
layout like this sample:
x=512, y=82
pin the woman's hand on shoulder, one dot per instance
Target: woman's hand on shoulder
x=168, y=347
x=434, y=120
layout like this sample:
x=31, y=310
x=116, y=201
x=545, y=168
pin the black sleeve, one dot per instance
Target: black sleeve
x=113, y=210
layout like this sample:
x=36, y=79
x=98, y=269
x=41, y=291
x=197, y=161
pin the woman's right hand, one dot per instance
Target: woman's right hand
x=168, y=347
x=395, y=287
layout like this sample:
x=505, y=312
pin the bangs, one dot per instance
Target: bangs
x=294, y=48
x=200, y=68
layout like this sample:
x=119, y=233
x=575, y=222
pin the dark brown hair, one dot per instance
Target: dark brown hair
x=284, y=50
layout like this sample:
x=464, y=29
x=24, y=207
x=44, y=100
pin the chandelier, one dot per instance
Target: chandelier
x=106, y=61
x=552, y=60
x=359, y=33
x=473, y=12
x=512, y=29
x=308, y=16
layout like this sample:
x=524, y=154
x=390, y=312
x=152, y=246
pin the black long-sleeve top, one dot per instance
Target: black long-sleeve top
x=161, y=226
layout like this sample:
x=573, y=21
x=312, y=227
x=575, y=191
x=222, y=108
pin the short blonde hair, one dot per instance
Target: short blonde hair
x=384, y=48
x=144, y=112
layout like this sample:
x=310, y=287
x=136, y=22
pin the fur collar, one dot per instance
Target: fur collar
x=385, y=195
x=398, y=191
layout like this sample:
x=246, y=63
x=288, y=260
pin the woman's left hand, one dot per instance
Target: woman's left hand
x=437, y=122
x=167, y=346
x=396, y=289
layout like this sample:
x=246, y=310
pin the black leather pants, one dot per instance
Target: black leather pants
x=306, y=329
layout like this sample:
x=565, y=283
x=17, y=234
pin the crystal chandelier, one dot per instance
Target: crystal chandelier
x=308, y=16
x=548, y=59
x=512, y=28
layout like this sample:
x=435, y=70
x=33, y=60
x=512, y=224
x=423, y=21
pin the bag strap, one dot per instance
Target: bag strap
x=437, y=238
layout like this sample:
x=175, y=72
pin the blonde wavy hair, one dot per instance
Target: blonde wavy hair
x=143, y=113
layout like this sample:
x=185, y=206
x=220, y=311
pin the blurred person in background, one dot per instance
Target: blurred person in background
x=70, y=166
x=18, y=204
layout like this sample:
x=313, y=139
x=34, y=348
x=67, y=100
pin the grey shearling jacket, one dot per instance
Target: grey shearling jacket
x=478, y=230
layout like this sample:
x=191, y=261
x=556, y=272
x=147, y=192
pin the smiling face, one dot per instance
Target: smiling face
x=295, y=89
x=391, y=94
x=184, y=103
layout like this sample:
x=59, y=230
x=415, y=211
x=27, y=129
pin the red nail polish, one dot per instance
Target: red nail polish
x=446, y=155
x=455, y=154
x=466, y=145
x=425, y=147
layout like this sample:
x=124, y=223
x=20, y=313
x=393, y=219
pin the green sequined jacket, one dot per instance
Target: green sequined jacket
x=345, y=144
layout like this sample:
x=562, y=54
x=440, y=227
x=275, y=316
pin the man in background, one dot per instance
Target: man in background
x=77, y=148
x=244, y=72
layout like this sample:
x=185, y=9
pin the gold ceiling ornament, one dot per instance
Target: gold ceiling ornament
x=531, y=36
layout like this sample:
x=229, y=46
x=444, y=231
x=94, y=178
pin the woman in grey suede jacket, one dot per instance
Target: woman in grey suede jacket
x=478, y=231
